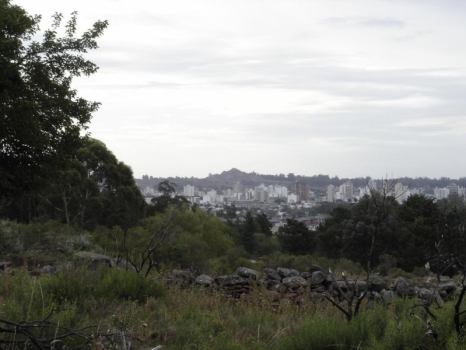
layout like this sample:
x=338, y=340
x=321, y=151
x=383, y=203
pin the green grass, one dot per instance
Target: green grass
x=200, y=319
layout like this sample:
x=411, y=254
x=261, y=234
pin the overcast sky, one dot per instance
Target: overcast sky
x=339, y=87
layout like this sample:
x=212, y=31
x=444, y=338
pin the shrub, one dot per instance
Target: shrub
x=121, y=284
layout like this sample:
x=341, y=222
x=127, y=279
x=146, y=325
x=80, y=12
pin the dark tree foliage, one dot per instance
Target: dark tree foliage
x=419, y=219
x=334, y=232
x=246, y=233
x=167, y=198
x=96, y=189
x=295, y=238
x=41, y=115
x=263, y=224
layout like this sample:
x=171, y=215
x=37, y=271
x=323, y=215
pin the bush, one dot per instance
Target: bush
x=386, y=264
x=121, y=284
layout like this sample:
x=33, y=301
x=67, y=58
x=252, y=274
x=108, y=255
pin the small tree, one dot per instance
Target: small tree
x=296, y=238
x=370, y=215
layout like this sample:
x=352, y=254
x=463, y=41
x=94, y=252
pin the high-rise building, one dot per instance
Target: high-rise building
x=301, y=189
x=261, y=194
x=331, y=193
x=347, y=190
x=453, y=188
x=441, y=193
x=188, y=191
x=401, y=192
x=372, y=184
x=238, y=188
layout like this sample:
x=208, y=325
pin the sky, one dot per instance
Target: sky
x=346, y=88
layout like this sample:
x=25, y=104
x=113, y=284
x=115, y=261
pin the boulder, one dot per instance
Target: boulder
x=229, y=280
x=328, y=280
x=122, y=265
x=360, y=285
x=4, y=265
x=318, y=277
x=447, y=287
x=377, y=284
x=306, y=275
x=247, y=273
x=401, y=287
x=186, y=276
x=374, y=296
x=203, y=280
x=277, y=287
x=315, y=268
x=319, y=289
x=387, y=294
x=48, y=269
x=95, y=259
x=294, y=282
x=287, y=272
x=429, y=295
x=272, y=274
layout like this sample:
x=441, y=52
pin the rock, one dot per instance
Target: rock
x=315, y=268
x=203, y=280
x=360, y=285
x=375, y=296
x=95, y=259
x=48, y=269
x=287, y=272
x=229, y=280
x=318, y=277
x=247, y=273
x=294, y=282
x=277, y=287
x=299, y=290
x=387, y=294
x=448, y=287
x=377, y=284
x=4, y=265
x=328, y=280
x=186, y=276
x=401, y=287
x=122, y=265
x=272, y=274
x=306, y=275
x=263, y=280
x=319, y=289
x=429, y=295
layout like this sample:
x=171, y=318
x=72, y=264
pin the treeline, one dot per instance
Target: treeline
x=376, y=230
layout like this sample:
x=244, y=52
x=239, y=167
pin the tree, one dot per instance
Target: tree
x=264, y=225
x=247, y=230
x=332, y=235
x=295, y=238
x=96, y=189
x=167, y=198
x=420, y=218
x=41, y=115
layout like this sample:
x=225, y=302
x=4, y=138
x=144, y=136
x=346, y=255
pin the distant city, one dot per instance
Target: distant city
x=299, y=193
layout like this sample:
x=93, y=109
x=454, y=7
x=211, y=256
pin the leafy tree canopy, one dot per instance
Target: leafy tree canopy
x=41, y=115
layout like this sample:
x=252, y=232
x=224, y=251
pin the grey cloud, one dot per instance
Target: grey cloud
x=365, y=21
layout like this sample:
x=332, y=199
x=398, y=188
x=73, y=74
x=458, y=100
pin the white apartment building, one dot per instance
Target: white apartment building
x=188, y=191
x=441, y=193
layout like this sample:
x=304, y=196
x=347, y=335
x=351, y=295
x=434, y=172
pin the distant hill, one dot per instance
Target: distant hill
x=228, y=178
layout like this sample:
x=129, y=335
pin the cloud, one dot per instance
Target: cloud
x=370, y=22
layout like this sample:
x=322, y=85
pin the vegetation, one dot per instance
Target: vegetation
x=64, y=194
